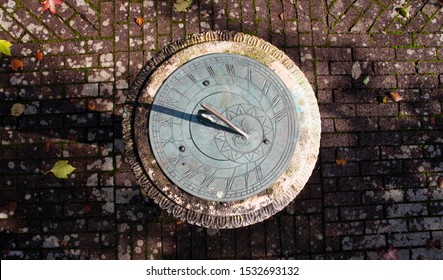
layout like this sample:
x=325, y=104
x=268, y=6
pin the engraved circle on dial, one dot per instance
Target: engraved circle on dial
x=208, y=159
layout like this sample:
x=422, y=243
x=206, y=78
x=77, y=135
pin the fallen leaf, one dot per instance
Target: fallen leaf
x=356, y=70
x=366, y=80
x=17, y=109
x=16, y=64
x=39, y=55
x=48, y=146
x=5, y=47
x=341, y=161
x=92, y=105
x=440, y=182
x=182, y=5
x=63, y=243
x=86, y=209
x=282, y=16
x=402, y=11
x=431, y=243
x=382, y=99
x=432, y=121
x=395, y=96
x=390, y=254
x=11, y=206
x=180, y=222
x=62, y=169
x=50, y=4
x=139, y=21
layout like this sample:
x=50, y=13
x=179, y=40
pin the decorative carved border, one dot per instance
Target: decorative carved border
x=194, y=210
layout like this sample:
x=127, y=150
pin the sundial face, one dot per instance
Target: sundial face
x=203, y=155
x=221, y=129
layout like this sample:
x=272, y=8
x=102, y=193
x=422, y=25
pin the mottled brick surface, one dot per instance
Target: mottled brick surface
x=375, y=187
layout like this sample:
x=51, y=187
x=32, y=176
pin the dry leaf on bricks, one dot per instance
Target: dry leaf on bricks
x=182, y=5
x=139, y=21
x=39, y=55
x=50, y=4
x=17, y=109
x=356, y=70
x=16, y=64
x=395, y=96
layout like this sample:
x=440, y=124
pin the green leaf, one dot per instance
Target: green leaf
x=62, y=169
x=366, y=80
x=182, y=5
x=5, y=47
x=402, y=11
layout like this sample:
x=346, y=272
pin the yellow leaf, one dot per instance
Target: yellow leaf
x=17, y=109
x=182, y=5
x=5, y=47
x=62, y=169
x=341, y=161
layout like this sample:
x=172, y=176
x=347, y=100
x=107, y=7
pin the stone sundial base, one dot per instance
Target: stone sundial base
x=222, y=129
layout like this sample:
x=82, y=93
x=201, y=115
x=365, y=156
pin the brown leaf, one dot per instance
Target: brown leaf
x=48, y=146
x=282, y=16
x=139, y=21
x=16, y=64
x=63, y=243
x=180, y=222
x=92, y=105
x=39, y=55
x=432, y=121
x=86, y=209
x=440, y=182
x=395, y=96
x=341, y=161
x=431, y=243
x=17, y=109
x=11, y=206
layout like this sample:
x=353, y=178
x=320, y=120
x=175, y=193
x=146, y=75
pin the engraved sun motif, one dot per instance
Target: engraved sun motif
x=257, y=126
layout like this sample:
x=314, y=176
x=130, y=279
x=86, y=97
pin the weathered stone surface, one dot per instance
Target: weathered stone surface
x=386, y=195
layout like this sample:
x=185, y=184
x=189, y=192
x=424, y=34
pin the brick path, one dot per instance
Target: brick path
x=385, y=196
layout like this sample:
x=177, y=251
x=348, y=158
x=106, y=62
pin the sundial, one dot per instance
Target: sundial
x=222, y=129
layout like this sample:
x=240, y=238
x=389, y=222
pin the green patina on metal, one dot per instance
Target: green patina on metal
x=222, y=129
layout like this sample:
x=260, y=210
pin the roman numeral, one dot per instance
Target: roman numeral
x=192, y=78
x=280, y=115
x=166, y=121
x=207, y=181
x=258, y=173
x=174, y=160
x=210, y=70
x=229, y=183
x=249, y=77
x=167, y=141
x=265, y=87
x=190, y=173
x=230, y=69
x=275, y=100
